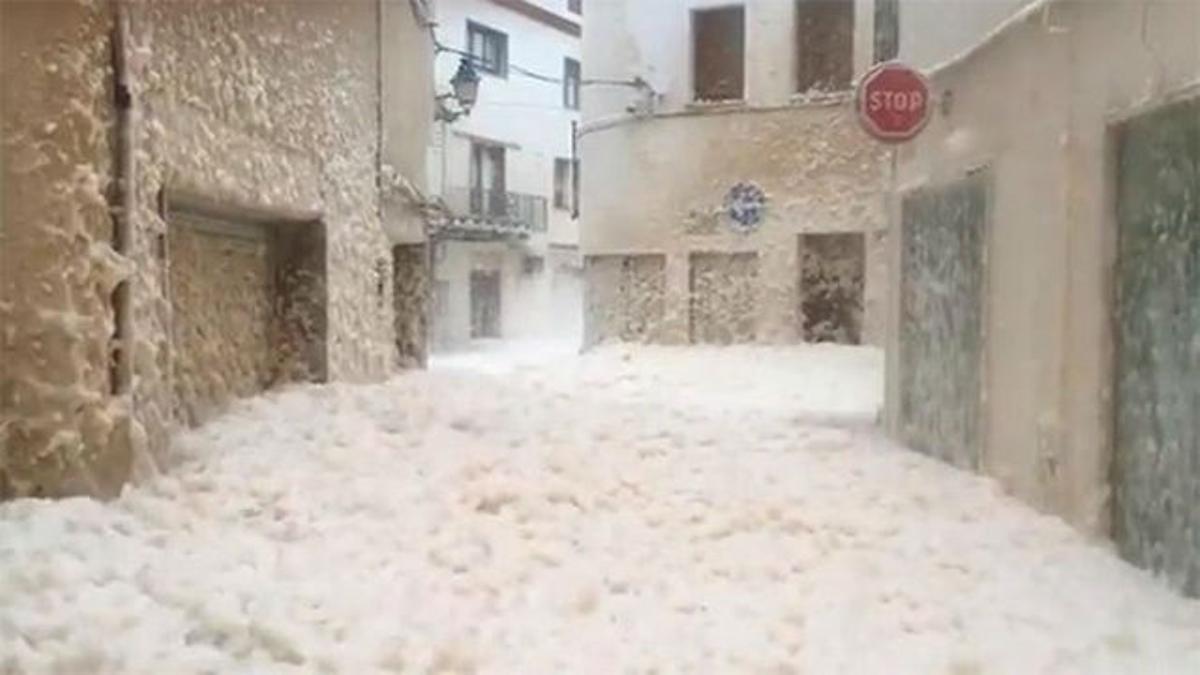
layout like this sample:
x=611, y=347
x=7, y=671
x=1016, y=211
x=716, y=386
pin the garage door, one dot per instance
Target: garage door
x=941, y=319
x=723, y=307
x=624, y=298
x=643, y=292
x=221, y=289
x=1157, y=445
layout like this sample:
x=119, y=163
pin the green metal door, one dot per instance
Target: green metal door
x=1156, y=467
x=941, y=319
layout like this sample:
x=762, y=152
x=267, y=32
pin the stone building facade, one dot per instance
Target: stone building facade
x=689, y=102
x=200, y=201
x=1045, y=298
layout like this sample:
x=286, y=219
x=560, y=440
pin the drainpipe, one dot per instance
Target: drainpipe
x=575, y=164
x=121, y=351
x=379, y=116
x=445, y=152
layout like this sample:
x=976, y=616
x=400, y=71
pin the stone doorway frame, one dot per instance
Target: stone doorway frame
x=848, y=311
x=296, y=250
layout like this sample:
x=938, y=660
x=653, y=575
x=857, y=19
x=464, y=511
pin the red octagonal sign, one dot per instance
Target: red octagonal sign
x=893, y=102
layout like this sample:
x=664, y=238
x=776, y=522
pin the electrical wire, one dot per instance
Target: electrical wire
x=525, y=106
x=511, y=66
x=439, y=48
x=635, y=82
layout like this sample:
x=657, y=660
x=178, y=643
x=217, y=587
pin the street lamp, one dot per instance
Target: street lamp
x=465, y=91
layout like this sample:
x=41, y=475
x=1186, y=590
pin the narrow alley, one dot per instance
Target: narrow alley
x=636, y=509
x=573, y=337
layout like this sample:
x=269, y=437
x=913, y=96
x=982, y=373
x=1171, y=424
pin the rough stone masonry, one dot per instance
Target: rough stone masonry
x=262, y=116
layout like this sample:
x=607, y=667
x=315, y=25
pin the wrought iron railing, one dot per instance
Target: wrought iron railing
x=497, y=211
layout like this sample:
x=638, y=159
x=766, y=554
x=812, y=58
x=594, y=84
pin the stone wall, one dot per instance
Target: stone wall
x=406, y=63
x=271, y=107
x=658, y=186
x=261, y=111
x=62, y=429
x=1040, y=106
x=657, y=165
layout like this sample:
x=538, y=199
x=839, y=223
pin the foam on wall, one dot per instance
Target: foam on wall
x=651, y=187
x=272, y=107
x=61, y=430
x=250, y=107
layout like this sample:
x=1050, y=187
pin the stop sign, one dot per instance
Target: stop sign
x=893, y=102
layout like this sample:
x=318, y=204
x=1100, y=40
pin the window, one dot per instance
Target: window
x=488, y=192
x=566, y=185
x=562, y=184
x=718, y=54
x=575, y=6
x=571, y=77
x=824, y=45
x=489, y=49
x=575, y=188
x=887, y=30
x=533, y=265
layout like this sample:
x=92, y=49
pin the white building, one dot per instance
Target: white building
x=507, y=264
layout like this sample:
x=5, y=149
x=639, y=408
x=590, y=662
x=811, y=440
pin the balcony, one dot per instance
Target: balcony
x=491, y=214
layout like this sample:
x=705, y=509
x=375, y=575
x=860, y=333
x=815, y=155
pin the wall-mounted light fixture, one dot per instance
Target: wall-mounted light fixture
x=464, y=90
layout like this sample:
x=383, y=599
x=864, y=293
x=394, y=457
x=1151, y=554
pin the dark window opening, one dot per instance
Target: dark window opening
x=562, y=184
x=718, y=54
x=533, y=265
x=575, y=6
x=575, y=166
x=488, y=49
x=887, y=30
x=824, y=45
x=571, y=77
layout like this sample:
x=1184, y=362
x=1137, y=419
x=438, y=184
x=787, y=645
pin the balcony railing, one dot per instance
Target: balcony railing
x=492, y=212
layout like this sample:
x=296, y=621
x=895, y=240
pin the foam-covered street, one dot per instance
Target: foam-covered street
x=528, y=510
